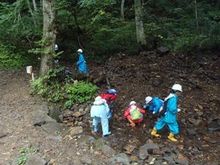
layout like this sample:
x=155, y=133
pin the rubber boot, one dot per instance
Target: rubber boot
x=172, y=138
x=154, y=133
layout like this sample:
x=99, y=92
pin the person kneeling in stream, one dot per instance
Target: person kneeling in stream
x=99, y=113
x=134, y=114
x=110, y=96
x=169, y=117
x=153, y=104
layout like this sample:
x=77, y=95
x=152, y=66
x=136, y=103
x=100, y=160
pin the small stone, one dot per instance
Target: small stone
x=134, y=158
x=76, y=130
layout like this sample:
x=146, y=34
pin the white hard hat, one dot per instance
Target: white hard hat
x=99, y=100
x=79, y=51
x=132, y=103
x=148, y=99
x=177, y=87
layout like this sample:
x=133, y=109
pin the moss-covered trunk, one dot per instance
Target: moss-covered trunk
x=49, y=36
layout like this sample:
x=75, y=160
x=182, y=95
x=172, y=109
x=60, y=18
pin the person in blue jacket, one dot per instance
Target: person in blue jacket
x=170, y=116
x=153, y=104
x=99, y=113
x=81, y=63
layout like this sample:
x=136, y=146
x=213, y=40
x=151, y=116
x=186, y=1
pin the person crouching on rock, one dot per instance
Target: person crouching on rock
x=110, y=96
x=170, y=114
x=153, y=104
x=99, y=113
x=134, y=114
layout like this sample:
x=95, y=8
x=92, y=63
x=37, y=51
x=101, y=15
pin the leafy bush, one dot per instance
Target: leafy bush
x=52, y=88
x=79, y=92
x=8, y=59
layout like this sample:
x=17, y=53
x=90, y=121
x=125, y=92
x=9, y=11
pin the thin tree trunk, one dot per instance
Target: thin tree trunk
x=196, y=16
x=122, y=9
x=49, y=36
x=31, y=11
x=139, y=23
x=34, y=4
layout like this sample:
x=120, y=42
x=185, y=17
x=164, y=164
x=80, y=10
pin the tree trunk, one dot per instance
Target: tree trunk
x=139, y=23
x=35, y=5
x=49, y=36
x=122, y=9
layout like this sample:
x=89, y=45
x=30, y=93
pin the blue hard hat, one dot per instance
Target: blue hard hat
x=112, y=91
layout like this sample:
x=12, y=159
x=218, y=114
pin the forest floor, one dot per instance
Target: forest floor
x=24, y=136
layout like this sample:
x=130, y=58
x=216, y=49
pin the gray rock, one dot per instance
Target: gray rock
x=76, y=130
x=35, y=160
x=195, y=122
x=191, y=131
x=182, y=160
x=150, y=147
x=169, y=159
x=143, y=152
x=99, y=143
x=52, y=128
x=86, y=159
x=40, y=117
x=162, y=50
x=120, y=158
x=3, y=134
x=108, y=151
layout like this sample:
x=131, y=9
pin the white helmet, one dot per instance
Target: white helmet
x=177, y=87
x=132, y=103
x=79, y=50
x=148, y=99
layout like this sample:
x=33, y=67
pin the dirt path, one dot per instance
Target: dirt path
x=18, y=110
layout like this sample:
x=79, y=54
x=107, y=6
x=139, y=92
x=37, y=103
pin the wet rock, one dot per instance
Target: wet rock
x=120, y=158
x=108, y=151
x=76, y=130
x=35, y=160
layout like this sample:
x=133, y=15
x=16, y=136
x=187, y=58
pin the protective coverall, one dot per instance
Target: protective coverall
x=155, y=105
x=170, y=116
x=99, y=113
x=81, y=64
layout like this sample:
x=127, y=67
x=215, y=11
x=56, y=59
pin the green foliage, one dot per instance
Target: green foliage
x=55, y=89
x=8, y=59
x=107, y=40
x=79, y=92
x=24, y=152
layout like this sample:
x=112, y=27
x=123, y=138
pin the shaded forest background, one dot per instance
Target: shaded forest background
x=107, y=27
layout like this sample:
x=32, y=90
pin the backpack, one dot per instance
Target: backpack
x=162, y=113
x=136, y=114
